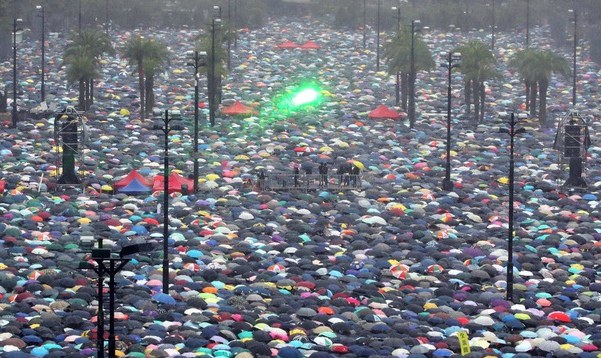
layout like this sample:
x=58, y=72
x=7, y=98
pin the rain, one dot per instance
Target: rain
x=298, y=178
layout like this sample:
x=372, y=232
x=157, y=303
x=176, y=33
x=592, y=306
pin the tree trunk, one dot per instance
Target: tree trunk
x=149, y=84
x=527, y=95
x=141, y=88
x=482, y=98
x=533, y=94
x=542, y=109
x=412, y=115
x=467, y=90
x=86, y=95
x=82, y=95
x=404, y=90
x=476, y=94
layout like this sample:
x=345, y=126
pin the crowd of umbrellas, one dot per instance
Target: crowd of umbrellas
x=396, y=268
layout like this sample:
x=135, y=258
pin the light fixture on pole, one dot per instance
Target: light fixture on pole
x=415, y=25
x=364, y=24
x=378, y=37
x=512, y=131
x=397, y=87
x=199, y=61
x=43, y=74
x=575, y=46
x=215, y=21
x=166, y=128
x=107, y=263
x=16, y=27
x=453, y=61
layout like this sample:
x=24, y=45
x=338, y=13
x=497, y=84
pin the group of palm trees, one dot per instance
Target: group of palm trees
x=478, y=66
x=146, y=55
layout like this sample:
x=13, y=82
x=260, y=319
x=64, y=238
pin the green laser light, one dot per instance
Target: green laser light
x=305, y=96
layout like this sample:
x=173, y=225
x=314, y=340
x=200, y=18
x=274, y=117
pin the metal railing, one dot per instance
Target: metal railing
x=302, y=181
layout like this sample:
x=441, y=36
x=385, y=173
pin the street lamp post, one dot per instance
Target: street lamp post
x=42, y=15
x=575, y=45
x=453, y=60
x=414, y=27
x=16, y=27
x=106, y=15
x=492, y=41
x=199, y=61
x=527, y=23
x=512, y=131
x=397, y=87
x=102, y=257
x=229, y=34
x=166, y=128
x=378, y=37
x=79, y=17
x=216, y=20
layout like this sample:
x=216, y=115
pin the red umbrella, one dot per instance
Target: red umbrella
x=383, y=112
x=287, y=45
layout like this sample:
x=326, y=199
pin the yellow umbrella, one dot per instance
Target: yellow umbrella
x=242, y=157
x=358, y=164
x=124, y=112
x=212, y=176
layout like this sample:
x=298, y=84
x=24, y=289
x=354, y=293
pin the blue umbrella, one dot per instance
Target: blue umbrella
x=164, y=298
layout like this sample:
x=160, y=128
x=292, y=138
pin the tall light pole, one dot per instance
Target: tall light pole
x=166, y=128
x=574, y=57
x=492, y=41
x=527, y=23
x=453, y=60
x=378, y=37
x=215, y=21
x=236, y=24
x=199, y=61
x=414, y=27
x=16, y=27
x=397, y=87
x=364, y=24
x=106, y=16
x=512, y=131
x=79, y=17
x=229, y=34
x=42, y=15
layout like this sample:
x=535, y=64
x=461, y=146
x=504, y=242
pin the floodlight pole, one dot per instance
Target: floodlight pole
x=574, y=58
x=199, y=60
x=166, y=128
x=414, y=25
x=452, y=61
x=42, y=15
x=512, y=131
x=364, y=24
x=79, y=18
x=229, y=35
x=397, y=87
x=492, y=41
x=212, y=89
x=16, y=23
x=378, y=37
x=527, y=23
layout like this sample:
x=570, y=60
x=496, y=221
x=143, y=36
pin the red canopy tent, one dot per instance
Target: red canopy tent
x=175, y=183
x=237, y=109
x=310, y=45
x=133, y=175
x=383, y=112
x=287, y=45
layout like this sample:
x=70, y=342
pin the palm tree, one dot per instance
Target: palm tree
x=205, y=43
x=93, y=44
x=536, y=68
x=522, y=62
x=136, y=49
x=478, y=65
x=397, y=55
x=81, y=68
x=156, y=58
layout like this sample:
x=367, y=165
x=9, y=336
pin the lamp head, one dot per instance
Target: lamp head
x=38, y=7
x=456, y=56
x=416, y=25
x=394, y=8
